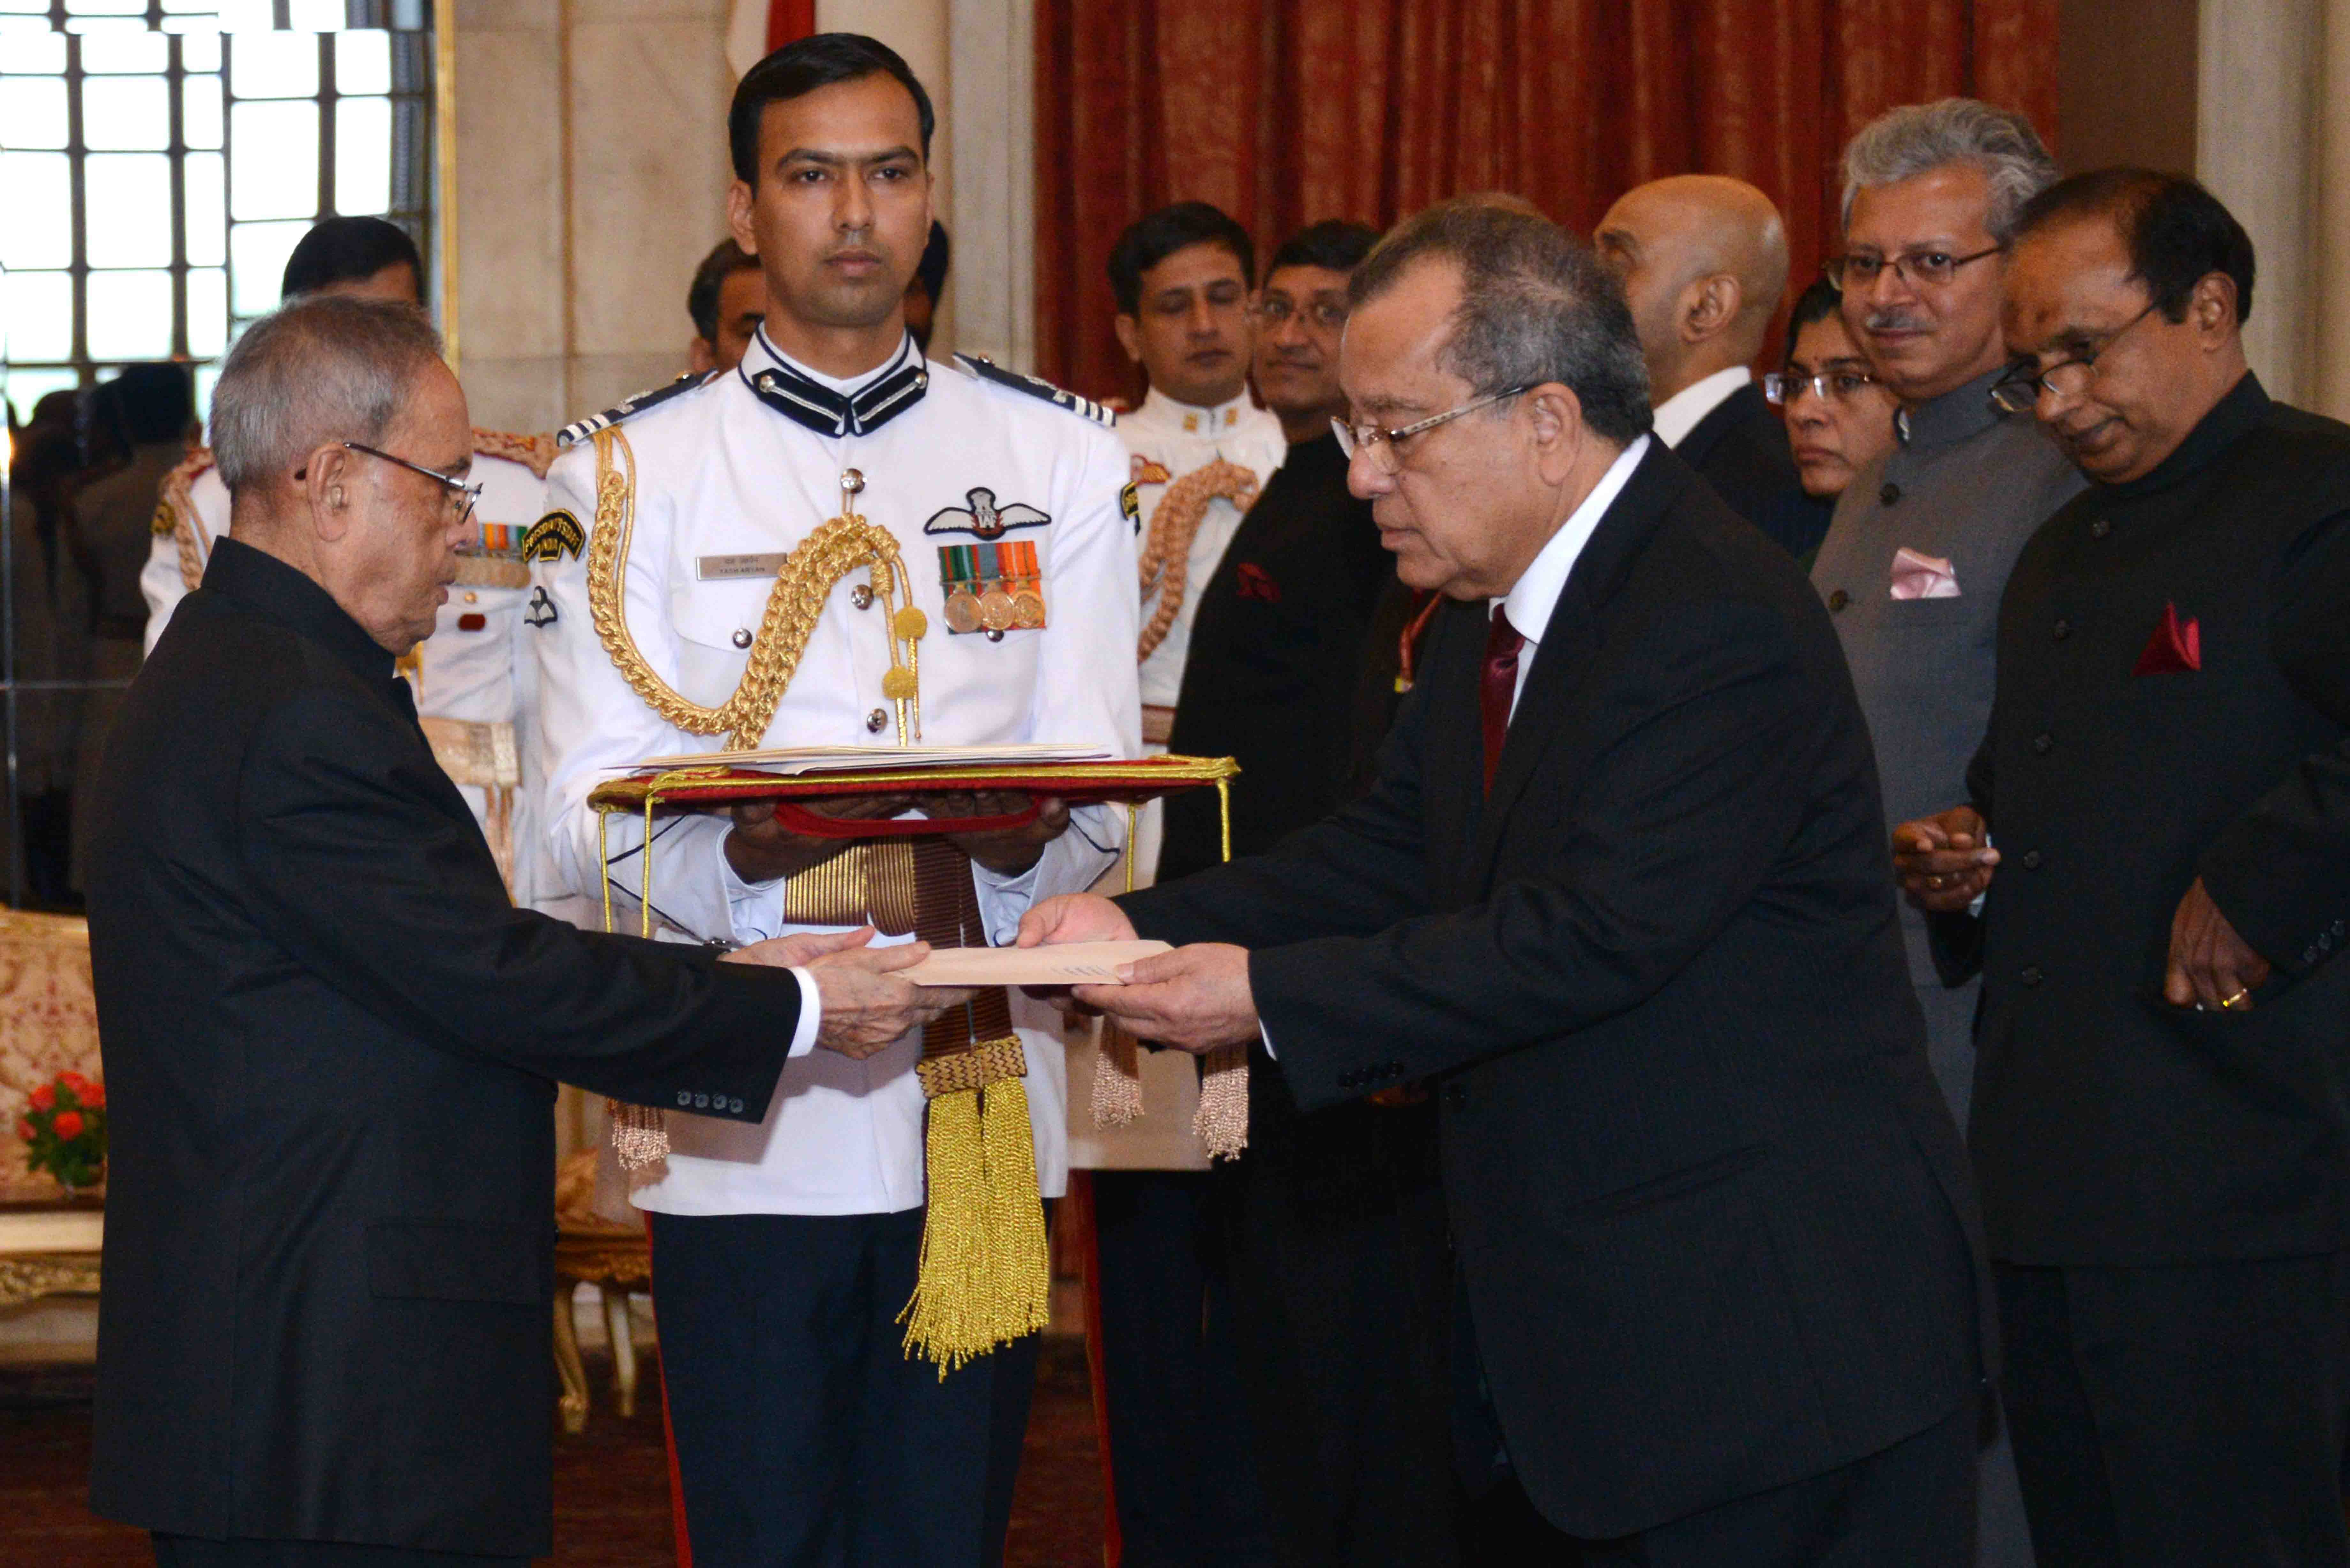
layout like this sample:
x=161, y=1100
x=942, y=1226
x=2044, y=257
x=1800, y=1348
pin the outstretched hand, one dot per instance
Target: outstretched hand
x=866, y=1004
x=1194, y=998
x=1074, y=918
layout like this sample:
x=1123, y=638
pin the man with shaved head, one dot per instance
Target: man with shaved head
x=1704, y=261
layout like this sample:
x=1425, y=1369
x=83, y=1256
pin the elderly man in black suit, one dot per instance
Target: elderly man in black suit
x=2162, y=1109
x=1613, y=893
x=331, y=1042
x=1704, y=261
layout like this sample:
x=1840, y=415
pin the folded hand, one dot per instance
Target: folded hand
x=1944, y=862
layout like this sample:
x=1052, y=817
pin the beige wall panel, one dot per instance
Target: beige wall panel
x=2255, y=135
x=509, y=192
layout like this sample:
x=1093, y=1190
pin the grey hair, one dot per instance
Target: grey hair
x=1536, y=305
x=325, y=369
x=1903, y=143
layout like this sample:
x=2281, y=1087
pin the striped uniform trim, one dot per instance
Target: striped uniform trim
x=571, y=435
x=980, y=368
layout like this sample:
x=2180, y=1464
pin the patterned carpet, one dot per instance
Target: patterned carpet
x=612, y=1484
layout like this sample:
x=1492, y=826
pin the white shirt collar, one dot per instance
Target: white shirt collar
x=1534, y=596
x=1163, y=411
x=1678, y=414
x=762, y=346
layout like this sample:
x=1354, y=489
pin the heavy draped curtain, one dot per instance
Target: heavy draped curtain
x=1287, y=111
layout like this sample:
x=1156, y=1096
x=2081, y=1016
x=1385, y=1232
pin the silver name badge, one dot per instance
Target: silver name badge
x=720, y=568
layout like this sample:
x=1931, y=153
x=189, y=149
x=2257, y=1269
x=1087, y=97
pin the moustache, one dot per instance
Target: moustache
x=1894, y=321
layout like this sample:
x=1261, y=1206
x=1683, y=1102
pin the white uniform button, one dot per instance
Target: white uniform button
x=861, y=595
x=741, y=636
x=852, y=481
x=876, y=719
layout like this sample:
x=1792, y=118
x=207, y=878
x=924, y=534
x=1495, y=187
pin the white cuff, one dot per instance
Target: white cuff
x=811, y=1013
x=755, y=910
x=1266, y=1036
x=1002, y=899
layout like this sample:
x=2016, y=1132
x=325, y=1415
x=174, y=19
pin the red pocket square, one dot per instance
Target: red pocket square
x=2174, y=648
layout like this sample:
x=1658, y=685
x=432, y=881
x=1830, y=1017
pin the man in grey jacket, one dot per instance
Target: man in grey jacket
x=1920, y=548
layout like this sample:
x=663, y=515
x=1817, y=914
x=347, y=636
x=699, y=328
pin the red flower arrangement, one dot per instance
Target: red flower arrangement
x=64, y=1130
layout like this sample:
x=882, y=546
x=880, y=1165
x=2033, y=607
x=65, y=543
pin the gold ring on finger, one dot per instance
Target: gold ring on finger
x=2232, y=1001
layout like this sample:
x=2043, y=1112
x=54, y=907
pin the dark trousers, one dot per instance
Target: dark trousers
x=1342, y=1295
x=805, y=1435
x=2189, y=1414
x=1911, y=1505
x=1180, y=1443
x=196, y=1552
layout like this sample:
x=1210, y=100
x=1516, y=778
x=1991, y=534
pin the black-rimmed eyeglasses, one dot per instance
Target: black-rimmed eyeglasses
x=462, y=494
x=2019, y=390
x=1933, y=268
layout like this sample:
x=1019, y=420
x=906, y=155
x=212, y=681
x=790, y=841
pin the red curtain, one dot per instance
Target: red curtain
x=1287, y=111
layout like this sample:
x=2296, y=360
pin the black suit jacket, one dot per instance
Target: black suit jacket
x=1710, y=1208
x=2109, y=1126
x=1740, y=448
x=331, y=1046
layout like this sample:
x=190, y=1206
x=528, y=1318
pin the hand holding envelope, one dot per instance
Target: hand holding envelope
x=1194, y=998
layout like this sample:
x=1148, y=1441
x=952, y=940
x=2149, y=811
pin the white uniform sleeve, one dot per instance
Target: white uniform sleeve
x=592, y=725
x=1086, y=690
x=160, y=581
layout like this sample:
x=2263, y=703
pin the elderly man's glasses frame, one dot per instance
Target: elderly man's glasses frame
x=462, y=494
x=1933, y=268
x=2018, y=392
x=1379, y=445
x=1783, y=387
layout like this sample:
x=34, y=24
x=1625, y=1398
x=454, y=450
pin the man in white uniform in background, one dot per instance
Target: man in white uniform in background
x=475, y=678
x=1200, y=450
x=785, y=1250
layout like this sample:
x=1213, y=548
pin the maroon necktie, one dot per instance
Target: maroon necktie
x=1500, y=687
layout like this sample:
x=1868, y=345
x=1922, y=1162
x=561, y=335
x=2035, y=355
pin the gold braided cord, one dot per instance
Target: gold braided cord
x=1166, y=561
x=806, y=581
x=177, y=496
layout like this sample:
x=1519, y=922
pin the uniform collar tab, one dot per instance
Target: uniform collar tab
x=832, y=407
x=1159, y=409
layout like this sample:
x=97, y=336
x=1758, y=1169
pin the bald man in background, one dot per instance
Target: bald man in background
x=1704, y=262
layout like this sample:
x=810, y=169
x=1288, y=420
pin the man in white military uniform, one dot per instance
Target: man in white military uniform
x=1200, y=451
x=785, y=1252
x=476, y=677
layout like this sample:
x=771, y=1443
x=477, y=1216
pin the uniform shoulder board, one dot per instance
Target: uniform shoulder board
x=536, y=452
x=572, y=434
x=981, y=368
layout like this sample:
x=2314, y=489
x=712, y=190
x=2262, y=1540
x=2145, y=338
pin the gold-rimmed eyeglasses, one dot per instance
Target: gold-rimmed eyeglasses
x=1379, y=445
x=462, y=494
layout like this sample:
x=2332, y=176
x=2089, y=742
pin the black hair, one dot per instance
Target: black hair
x=724, y=260
x=347, y=250
x=931, y=270
x=1334, y=243
x=797, y=69
x=148, y=402
x=1816, y=303
x=2177, y=232
x=1151, y=240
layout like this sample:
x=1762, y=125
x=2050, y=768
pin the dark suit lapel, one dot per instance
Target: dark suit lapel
x=1563, y=659
x=1452, y=752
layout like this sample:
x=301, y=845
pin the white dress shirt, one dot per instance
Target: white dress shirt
x=719, y=472
x=1678, y=414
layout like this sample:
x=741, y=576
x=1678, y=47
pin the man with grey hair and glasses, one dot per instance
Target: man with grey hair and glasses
x=331, y=1042
x=1616, y=896
x=1922, y=540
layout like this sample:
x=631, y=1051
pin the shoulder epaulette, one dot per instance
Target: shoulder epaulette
x=980, y=368
x=534, y=452
x=572, y=434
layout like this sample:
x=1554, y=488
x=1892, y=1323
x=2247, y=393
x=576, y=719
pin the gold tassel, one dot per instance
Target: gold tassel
x=1118, y=1077
x=1222, y=1120
x=985, y=1279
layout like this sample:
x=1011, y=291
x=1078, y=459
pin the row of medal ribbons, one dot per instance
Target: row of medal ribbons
x=992, y=587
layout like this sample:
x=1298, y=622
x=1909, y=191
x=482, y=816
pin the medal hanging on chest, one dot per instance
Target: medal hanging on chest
x=991, y=588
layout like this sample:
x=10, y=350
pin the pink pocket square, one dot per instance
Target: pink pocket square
x=1916, y=577
x=2174, y=649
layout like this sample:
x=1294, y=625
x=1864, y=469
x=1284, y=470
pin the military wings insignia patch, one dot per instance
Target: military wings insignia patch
x=553, y=538
x=1148, y=471
x=983, y=517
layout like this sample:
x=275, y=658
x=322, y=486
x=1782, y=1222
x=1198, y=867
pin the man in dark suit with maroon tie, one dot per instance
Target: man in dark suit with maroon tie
x=1616, y=893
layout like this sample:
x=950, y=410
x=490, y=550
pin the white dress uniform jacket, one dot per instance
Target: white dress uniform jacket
x=726, y=469
x=477, y=668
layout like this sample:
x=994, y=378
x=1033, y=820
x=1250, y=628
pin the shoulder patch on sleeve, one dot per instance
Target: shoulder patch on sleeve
x=553, y=538
x=573, y=434
x=981, y=368
x=1129, y=502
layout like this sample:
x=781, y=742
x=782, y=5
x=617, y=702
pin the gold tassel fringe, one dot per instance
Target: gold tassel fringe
x=639, y=1135
x=1222, y=1120
x=985, y=1278
x=1118, y=1077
